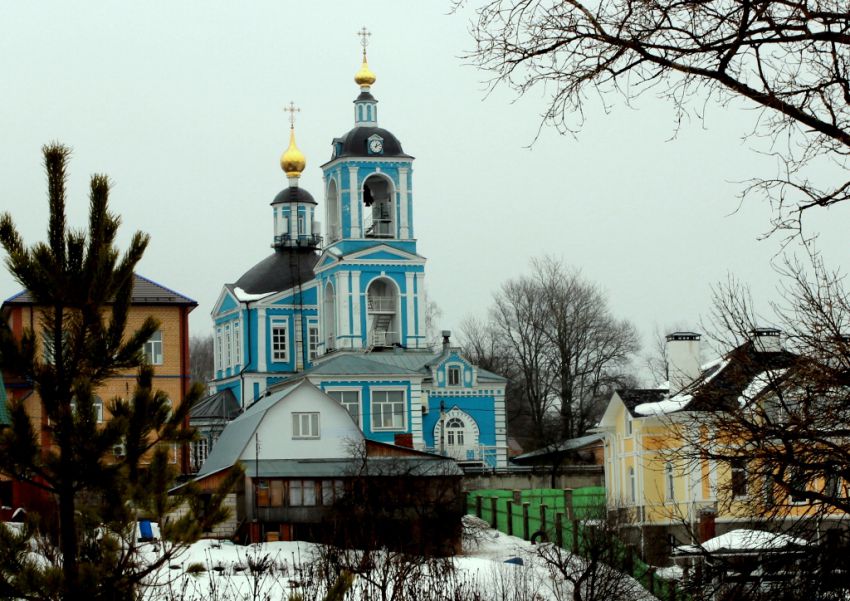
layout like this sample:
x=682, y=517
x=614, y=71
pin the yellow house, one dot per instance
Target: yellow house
x=167, y=351
x=671, y=496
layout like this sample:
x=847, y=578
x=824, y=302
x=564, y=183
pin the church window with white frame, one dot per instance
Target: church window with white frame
x=350, y=399
x=388, y=410
x=219, y=364
x=312, y=341
x=280, y=334
x=669, y=482
x=237, y=349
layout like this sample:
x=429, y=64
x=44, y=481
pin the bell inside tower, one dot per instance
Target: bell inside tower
x=378, y=213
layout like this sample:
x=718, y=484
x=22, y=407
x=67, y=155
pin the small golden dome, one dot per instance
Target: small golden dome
x=292, y=161
x=365, y=76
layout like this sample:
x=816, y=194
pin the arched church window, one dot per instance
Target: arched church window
x=334, y=230
x=454, y=432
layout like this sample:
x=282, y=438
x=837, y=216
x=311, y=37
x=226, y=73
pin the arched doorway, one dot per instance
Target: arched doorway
x=379, y=210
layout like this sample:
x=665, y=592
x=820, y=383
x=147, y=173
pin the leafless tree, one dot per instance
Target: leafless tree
x=589, y=349
x=562, y=350
x=787, y=58
x=201, y=358
x=775, y=424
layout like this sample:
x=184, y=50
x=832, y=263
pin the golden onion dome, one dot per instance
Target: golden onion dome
x=293, y=160
x=365, y=76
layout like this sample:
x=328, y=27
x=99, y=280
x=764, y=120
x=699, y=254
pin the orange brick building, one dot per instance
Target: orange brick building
x=167, y=351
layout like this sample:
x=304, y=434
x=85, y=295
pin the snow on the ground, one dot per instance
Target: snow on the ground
x=275, y=570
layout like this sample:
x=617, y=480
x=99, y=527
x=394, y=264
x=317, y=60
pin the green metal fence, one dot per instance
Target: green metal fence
x=560, y=516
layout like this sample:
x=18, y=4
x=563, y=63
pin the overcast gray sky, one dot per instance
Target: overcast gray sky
x=180, y=103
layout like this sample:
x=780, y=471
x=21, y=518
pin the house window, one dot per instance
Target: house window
x=302, y=493
x=305, y=425
x=797, y=484
x=669, y=488
x=280, y=350
x=200, y=450
x=350, y=399
x=98, y=409
x=832, y=486
x=313, y=341
x=738, y=473
x=153, y=349
x=332, y=490
x=454, y=375
x=388, y=410
x=632, y=487
x=629, y=424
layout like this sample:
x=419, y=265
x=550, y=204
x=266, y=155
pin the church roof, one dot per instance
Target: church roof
x=293, y=194
x=354, y=143
x=282, y=270
x=145, y=292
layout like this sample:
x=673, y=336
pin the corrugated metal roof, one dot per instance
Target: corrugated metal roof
x=351, y=467
x=221, y=405
x=145, y=292
x=346, y=364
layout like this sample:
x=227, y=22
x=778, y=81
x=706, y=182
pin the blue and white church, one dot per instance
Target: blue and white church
x=344, y=306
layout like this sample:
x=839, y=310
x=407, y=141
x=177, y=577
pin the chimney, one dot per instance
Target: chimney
x=447, y=334
x=767, y=340
x=682, y=359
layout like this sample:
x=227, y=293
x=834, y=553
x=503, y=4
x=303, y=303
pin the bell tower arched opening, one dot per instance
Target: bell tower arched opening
x=379, y=209
x=382, y=313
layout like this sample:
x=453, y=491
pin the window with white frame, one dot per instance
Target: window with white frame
x=669, y=482
x=350, y=399
x=237, y=349
x=302, y=493
x=200, y=451
x=98, y=408
x=455, y=432
x=280, y=348
x=219, y=363
x=632, y=486
x=305, y=425
x=629, y=424
x=312, y=341
x=453, y=376
x=228, y=347
x=153, y=349
x=388, y=410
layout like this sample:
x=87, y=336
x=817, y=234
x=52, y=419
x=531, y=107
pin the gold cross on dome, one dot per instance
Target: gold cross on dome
x=364, y=37
x=291, y=109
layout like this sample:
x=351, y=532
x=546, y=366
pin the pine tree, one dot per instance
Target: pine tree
x=82, y=285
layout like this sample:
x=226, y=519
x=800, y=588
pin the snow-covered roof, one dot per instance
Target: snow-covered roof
x=246, y=297
x=744, y=541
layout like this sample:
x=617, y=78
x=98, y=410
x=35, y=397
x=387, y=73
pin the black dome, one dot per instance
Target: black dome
x=293, y=194
x=286, y=268
x=355, y=141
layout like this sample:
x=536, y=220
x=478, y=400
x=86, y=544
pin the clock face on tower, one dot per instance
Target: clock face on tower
x=376, y=146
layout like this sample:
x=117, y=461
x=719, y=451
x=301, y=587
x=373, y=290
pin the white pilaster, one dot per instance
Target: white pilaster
x=356, y=304
x=343, y=298
x=261, y=340
x=354, y=202
x=420, y=292
x=293, y=221
x=416, y=396
x=410, y=297
x=402, y=193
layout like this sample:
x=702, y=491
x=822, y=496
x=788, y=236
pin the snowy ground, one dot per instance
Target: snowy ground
x=274, y=571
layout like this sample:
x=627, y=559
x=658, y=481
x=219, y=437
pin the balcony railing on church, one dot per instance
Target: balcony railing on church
x=300, y=240
x=379, y=228
x=380, y=304
x=383, y=338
